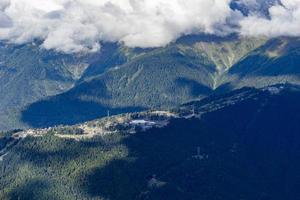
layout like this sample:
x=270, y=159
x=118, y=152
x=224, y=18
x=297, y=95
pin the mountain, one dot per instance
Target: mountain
x=29, y=73
x=239, y=145
x=260, y=7
x=205, y=116
x=192, y=68
x=275, y=62
x=69, y=89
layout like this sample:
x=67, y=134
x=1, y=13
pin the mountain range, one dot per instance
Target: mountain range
x=119, y=79
x=210, y=111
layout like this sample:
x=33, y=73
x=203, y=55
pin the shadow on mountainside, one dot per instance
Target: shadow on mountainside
x=71, y=111
x=248, y=150
x=72, y=107
x=196, y=89
x=26, y=192
x=278, y=57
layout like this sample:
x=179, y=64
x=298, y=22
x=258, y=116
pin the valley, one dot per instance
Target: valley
x=192, y=68
x=123, y=80
x=149, y=100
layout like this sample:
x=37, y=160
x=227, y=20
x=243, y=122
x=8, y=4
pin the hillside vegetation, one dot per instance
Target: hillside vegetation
x=29, y=74
x=242, y=145
x=120, y=79
x=192, y=68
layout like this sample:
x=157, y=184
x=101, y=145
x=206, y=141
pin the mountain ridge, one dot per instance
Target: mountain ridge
x=191, y=68
x=227, y=146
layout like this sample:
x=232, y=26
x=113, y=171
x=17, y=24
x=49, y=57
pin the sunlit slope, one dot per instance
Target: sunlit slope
x=189, y=69
x=29, y=73
x=122, y=79
x=278, y=61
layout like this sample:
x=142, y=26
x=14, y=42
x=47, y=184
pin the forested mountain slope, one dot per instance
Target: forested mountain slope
x=29, y=73
x=121, y=79
x=192, y=68
x=241, y=145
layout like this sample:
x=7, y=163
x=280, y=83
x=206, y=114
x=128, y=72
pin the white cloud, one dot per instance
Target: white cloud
x=81, y=25
x=284, y=21
x=5, y=21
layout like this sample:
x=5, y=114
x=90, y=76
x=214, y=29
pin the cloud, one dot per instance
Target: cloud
x=284, y=21
x=74, y=26
x=80, y=25
x=5, y=21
